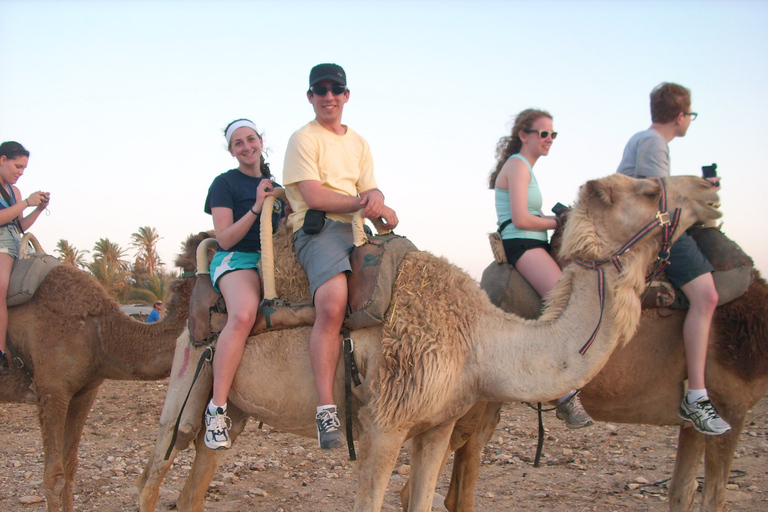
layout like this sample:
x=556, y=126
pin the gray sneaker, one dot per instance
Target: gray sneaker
x=573, y=414
x=329, y=433
x=703, y=416
x=217, y=427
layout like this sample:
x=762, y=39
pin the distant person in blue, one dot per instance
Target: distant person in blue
x=154, y=315
x=235, y=200
x=523, y=226
x=647, y=155
x=13, y=160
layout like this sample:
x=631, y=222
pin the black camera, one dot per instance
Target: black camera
x=709, y=171
x=559, y=209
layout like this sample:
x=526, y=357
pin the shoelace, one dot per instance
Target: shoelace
x=707, y=409
x=220, y=422
x=329, y=422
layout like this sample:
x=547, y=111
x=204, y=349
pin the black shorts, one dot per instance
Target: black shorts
x=686, y=262
x=516, y=247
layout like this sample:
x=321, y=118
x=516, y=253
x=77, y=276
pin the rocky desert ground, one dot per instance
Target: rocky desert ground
x=604, y=468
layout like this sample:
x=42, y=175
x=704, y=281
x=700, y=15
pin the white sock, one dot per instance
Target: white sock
x=212, y=407
x=321, y=408
x=565, y=397
x=696, y=394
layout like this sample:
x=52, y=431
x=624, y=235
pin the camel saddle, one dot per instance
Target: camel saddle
x=733, y=275
x=374, y=268
x=28, y=271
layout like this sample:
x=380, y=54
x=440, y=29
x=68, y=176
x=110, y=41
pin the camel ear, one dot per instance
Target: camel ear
x=600, y=189
x=649, y=188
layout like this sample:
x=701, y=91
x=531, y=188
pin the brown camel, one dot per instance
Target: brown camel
x=71, y=336
x=643, y=383
x=442, y=348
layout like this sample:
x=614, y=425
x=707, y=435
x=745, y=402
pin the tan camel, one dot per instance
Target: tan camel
x=443, y=347
x=71, y=336
x=643, y=383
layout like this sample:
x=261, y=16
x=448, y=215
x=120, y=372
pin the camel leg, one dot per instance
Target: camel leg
x=717, y=466
x=377, y=456
x=470, y=435
x=52, y=407
x=466, y=463
x=79, y=407
x=182, y=373
x=682, y=487
x=405, y=492
x=427, y=454
x=204, y=466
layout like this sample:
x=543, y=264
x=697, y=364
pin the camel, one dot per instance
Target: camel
x=654, y=363
x=442, y=348
x=71, y=336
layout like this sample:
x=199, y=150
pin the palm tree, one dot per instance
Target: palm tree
x=109, y=268
x=69, y=255
x=113, y=253
x=151, y=290
x=147, y=258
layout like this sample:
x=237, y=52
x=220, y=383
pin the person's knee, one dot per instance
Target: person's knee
x=242, y=319
x=331, y=309
x=705, y=299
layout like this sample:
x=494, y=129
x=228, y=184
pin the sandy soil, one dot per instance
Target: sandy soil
x=606, y=468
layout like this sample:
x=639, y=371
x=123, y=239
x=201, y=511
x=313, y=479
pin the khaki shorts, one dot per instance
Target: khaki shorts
x=325, y=254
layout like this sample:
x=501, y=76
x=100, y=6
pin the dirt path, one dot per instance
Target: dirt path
x=605, y=468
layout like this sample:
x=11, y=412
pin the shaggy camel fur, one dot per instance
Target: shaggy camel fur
x=71, y=335
x=442, y=348
x=643, y=383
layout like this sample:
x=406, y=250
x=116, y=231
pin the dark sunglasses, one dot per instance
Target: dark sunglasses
x=543, y=133
x=322, y=90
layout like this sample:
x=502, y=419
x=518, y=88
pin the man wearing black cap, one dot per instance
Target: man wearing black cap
x=328, y=176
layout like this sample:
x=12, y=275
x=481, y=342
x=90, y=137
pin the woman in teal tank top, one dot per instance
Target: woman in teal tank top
x=522, y=224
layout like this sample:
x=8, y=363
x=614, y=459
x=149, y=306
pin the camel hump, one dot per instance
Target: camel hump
x=29, y=270
x=374, y=268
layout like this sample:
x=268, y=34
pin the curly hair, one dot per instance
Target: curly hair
x=263, y=165
x=668, y=100
x=511, y=144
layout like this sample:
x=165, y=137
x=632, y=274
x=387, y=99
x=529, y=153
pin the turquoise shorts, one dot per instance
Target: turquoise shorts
x=229, y=261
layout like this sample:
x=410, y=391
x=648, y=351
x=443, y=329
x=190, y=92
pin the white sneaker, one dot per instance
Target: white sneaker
x=217, y=427
x=703, y=415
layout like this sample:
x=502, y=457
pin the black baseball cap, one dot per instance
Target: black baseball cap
x=327, y=72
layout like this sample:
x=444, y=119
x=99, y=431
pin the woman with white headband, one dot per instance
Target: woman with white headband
x=235, y=199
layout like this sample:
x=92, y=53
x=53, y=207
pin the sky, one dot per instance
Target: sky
x=122, y=103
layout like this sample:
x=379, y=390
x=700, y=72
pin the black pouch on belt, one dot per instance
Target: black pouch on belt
x=314, y=221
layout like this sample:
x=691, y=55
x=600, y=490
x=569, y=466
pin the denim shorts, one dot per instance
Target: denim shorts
x=10, y=240
x=516, y=247
x=686, y=262
x=325, y=254
x=224, y=262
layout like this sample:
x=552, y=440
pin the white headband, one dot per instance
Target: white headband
x=239, y=124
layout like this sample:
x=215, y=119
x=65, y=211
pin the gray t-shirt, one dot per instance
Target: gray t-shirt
x=645, y=155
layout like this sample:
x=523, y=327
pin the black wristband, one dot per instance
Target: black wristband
x=253, y=212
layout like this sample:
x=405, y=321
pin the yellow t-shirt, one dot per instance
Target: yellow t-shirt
x=341, y=163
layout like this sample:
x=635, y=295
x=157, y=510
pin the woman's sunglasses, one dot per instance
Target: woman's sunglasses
x=322, y=90
x=543, y=133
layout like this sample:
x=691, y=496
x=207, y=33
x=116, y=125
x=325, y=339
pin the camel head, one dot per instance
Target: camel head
x=610, y=211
